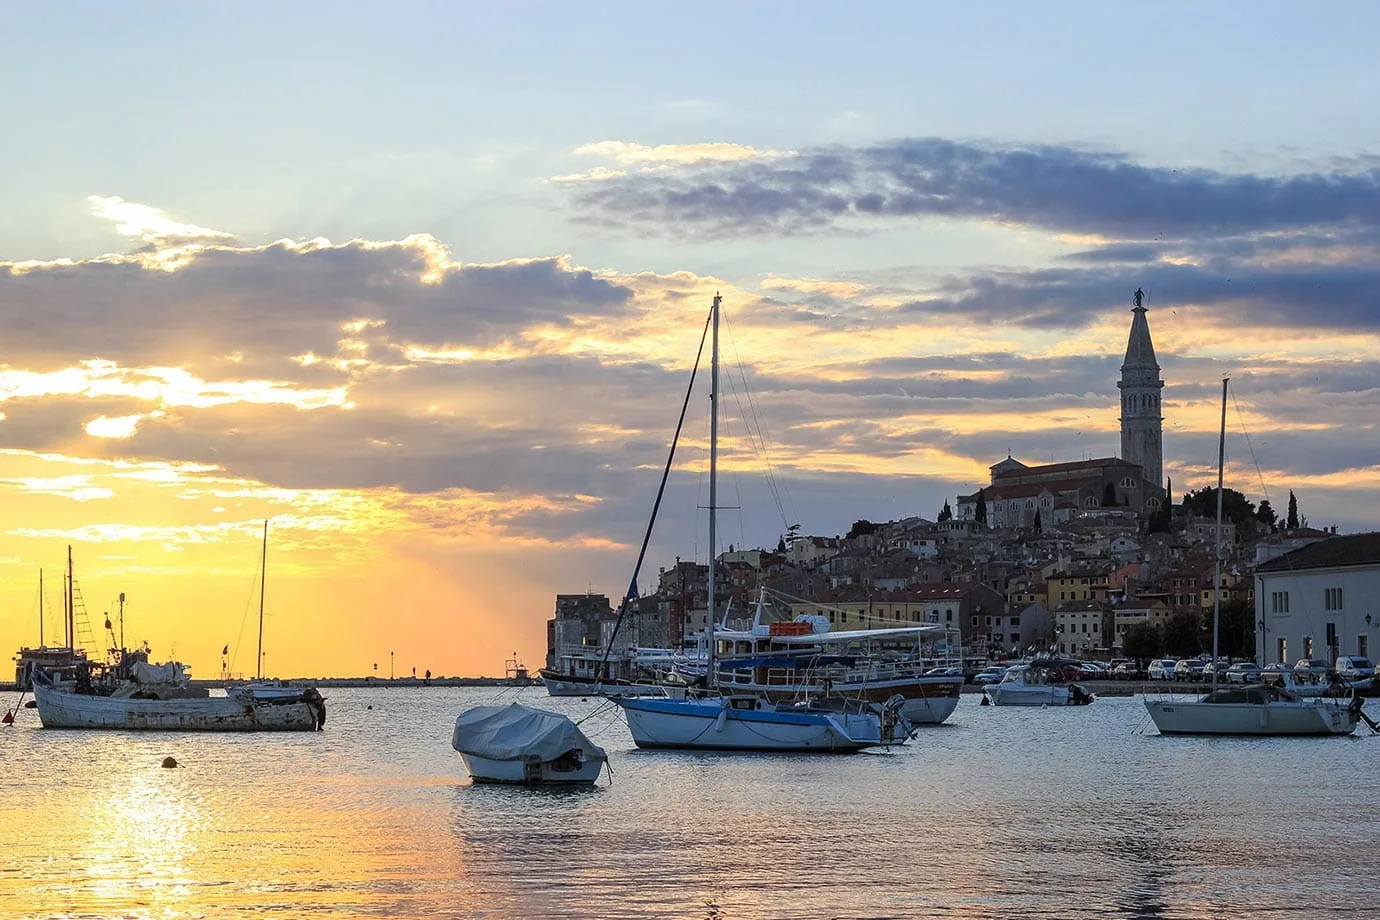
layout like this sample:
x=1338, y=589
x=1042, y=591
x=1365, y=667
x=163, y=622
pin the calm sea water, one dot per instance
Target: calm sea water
x=1063, y=813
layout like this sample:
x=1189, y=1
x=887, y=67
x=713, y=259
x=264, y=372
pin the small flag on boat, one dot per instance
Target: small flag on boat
x=225, y=651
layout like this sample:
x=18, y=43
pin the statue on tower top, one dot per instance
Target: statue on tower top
x=1138, y=298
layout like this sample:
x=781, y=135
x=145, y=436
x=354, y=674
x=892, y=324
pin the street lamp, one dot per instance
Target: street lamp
x=390, y=665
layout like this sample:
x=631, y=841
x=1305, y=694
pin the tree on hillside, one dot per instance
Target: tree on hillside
x=1183, y=634
x=1236, y=508
x=946, y=513
x=981, y=513
x=1039, y=524
x=861, y=528
x=1142, y=641
x=1266, y=515
x=1291, y=522
x=1109, y=496
x=781, y=546
x=1235, y=629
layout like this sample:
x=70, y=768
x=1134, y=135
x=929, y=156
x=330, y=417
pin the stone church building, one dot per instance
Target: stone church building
x=1057, y=491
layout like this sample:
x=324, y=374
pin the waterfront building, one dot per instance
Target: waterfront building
x=1319, y=601
x=1083, y=628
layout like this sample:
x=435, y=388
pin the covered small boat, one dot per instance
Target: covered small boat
x=519, y=744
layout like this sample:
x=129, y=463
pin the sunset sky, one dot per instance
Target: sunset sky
x=421, y=284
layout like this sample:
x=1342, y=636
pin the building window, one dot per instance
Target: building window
x=998, y=623
x=1279, y=601
x=1127, y=482
x=1283, y=651
x=1332, y=599
x=948, y=616
x=1361, y=646
x=1307, y=646
x=975, y=621
x=1015, y=621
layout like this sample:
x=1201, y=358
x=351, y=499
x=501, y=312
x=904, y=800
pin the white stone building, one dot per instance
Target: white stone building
x=1320, y=601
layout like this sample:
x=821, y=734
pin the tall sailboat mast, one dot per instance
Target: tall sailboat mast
x=40, y=609
x=71, y=623
x=1217, y=571
x=713, y=479
x=263, y=577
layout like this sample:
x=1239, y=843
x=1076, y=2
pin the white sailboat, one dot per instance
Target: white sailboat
x=260, y=689
x=1256, y=709
x=750, y=722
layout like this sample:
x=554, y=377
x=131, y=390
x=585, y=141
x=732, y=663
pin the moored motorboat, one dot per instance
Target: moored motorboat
x=521, y=745
x=1029, y=685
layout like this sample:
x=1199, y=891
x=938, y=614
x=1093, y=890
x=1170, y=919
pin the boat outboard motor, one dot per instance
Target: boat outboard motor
x=1078, y=696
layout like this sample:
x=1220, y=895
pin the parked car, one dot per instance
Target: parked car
x=1126, y=670
x=989, y=676
x=1311, y=664
x=1112, y=665
x=1189, y=669
x=1355, y=667
x=1215, y=667
x=1161, y=669
x=1243, y=672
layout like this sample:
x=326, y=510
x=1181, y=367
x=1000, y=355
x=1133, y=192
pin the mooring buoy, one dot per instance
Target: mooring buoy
x=169, y=761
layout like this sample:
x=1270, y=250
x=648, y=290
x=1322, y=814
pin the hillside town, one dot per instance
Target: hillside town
x=1089, y=559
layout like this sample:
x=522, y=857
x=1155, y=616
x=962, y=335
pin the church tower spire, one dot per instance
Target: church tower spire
x=1140, y=385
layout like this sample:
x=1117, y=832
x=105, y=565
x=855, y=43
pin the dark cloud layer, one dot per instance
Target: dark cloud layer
x=268, y=304
x=1060, y=188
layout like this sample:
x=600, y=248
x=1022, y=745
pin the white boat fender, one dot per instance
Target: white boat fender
x=722, y=720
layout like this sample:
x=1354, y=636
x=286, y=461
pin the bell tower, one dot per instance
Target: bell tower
x=1141, y=423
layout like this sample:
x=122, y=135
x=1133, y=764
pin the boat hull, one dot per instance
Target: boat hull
x=928, y=701
x=60, y=709
x=714, y=725
x=1026, y=696
x=530, y=773
x=1277, y=719
x=565, y=685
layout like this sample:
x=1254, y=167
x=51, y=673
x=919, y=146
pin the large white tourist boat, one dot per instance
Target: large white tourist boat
x=1255, y=709
x=1030, y=685
x=521, y=745
x=803, y=659
x=636, y=672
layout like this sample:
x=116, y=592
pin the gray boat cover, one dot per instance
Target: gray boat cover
x=516, y=732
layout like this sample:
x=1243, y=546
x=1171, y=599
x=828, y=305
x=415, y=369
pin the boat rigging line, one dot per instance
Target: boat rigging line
x=632, y=592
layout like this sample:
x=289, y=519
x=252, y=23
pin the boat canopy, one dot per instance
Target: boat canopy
x=517, y=732
x=855, y=635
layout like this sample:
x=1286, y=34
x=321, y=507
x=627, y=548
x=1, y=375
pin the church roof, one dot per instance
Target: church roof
x=1001, y=492
x=1073, y=467
x=1140, y=351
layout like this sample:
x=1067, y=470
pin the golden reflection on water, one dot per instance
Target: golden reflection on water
x=1049, y=814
